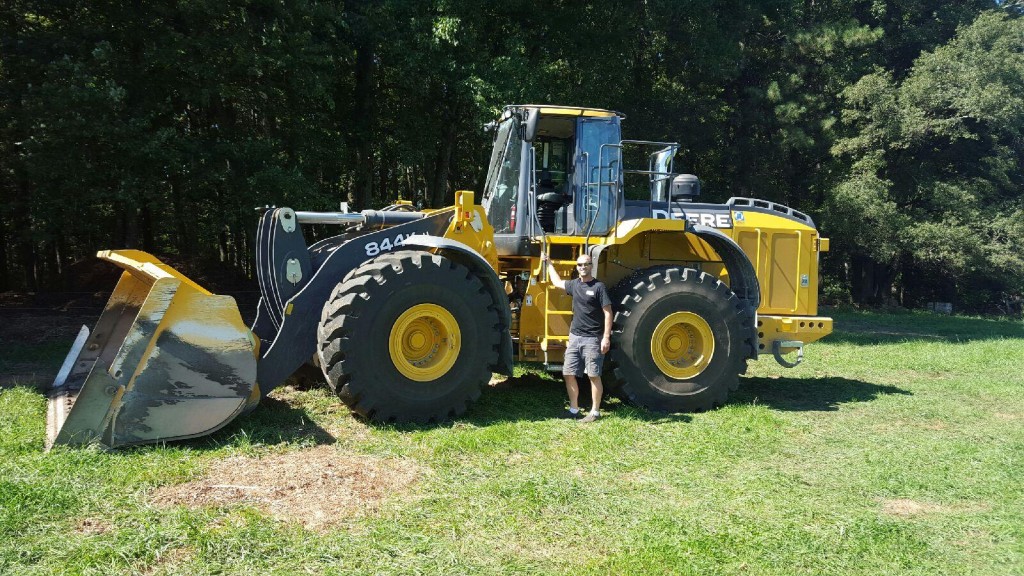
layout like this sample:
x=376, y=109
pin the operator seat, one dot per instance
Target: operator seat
x=546, y=186
x=549, y=200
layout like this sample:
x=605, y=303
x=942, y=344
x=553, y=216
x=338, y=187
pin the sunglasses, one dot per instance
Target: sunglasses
x=584, y=264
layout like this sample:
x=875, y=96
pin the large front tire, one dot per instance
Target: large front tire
x=680, y=341
x=409, y=337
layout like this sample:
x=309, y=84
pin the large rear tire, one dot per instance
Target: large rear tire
x=680, y=340
x=409, y=337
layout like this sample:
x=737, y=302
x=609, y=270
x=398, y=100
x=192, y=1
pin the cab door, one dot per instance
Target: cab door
x=597, y=175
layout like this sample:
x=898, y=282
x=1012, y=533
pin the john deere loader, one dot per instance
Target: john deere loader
x=407, y=313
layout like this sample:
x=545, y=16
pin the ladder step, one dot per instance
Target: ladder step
x=560, y=312
x=550, y=343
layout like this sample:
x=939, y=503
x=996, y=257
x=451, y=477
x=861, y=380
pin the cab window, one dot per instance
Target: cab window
x=502, y=189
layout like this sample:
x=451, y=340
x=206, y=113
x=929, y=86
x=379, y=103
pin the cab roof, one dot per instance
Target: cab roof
x=549, y=110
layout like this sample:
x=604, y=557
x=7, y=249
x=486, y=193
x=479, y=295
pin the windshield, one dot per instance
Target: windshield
x=502, y=188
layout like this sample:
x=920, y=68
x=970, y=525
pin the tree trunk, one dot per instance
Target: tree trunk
x=223, y=244
x=871, y=282
x=885, y=275
x=27, y=255
x=63, y=253
x=184, y=241
x=382, y=179
x=241, y=252
x=361, y=192
x=21, y=232
x=146, y=224
x=53, y=267
x=438, y=192
x=5, y=278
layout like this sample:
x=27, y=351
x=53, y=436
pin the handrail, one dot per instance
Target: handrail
x=535, y=223
x=616, y=170
x=600, y=186
x=585, y=158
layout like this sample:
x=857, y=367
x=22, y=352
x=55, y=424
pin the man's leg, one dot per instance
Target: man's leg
x=593, y=359
x=569, y=366
x=596, y=389
x=573, y=389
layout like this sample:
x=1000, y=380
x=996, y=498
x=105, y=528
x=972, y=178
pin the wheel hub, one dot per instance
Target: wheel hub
x=682, y=345
x=425, y=342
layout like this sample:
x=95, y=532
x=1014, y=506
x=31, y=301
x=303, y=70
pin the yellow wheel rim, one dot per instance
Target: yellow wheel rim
x=682, y=345
x=425, y=342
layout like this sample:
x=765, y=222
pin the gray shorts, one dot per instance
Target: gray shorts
x=586, y=349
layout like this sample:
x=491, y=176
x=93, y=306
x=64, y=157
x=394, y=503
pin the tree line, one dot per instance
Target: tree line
x=897, y=124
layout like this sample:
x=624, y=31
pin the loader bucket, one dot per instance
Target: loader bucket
x=167, y=360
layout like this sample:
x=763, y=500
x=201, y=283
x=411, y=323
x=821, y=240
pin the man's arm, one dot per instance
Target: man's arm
x=606, y=340
x=606, y=307
x=556, y=280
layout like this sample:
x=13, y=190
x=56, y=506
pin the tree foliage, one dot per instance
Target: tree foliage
x=932, y=192
x=161, y=125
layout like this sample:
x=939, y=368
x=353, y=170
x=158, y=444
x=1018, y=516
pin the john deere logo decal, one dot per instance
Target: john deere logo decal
x=712, y=219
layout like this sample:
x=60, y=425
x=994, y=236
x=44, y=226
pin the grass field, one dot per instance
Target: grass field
x=896, y=448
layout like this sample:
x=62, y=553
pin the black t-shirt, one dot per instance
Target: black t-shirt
x=588, y=301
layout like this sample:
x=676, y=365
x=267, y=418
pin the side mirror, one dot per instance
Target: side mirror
x=492, y=129
x=530, y=131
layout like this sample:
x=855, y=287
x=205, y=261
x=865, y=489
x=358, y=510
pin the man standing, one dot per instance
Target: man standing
x=589, y=334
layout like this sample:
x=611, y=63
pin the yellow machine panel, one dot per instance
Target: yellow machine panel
x=785, y=256
x=783, y=252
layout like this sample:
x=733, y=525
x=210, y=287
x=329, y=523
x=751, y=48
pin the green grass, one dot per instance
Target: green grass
x=896, y=448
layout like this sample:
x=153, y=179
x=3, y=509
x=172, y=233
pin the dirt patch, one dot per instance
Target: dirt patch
x=35, y=319
x=29, y=328
x=895, y=426
x=168, y=560
x=907, y=507
x=317, y=487
x=35, y=375
x=92, y=526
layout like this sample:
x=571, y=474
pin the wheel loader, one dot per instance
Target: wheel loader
x=407, y=313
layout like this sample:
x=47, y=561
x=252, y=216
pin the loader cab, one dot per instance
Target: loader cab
x=553, y=170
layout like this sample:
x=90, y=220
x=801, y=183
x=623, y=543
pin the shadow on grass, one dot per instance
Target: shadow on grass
x=627, y=412
x=533, y=397
x=870, y=328
x=272, y=422
x=526, y=398
x=809, y=394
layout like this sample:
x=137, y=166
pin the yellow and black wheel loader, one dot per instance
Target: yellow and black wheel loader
x=408, y=313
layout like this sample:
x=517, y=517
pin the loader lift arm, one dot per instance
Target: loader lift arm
x=290, y=311
x=168, y=360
